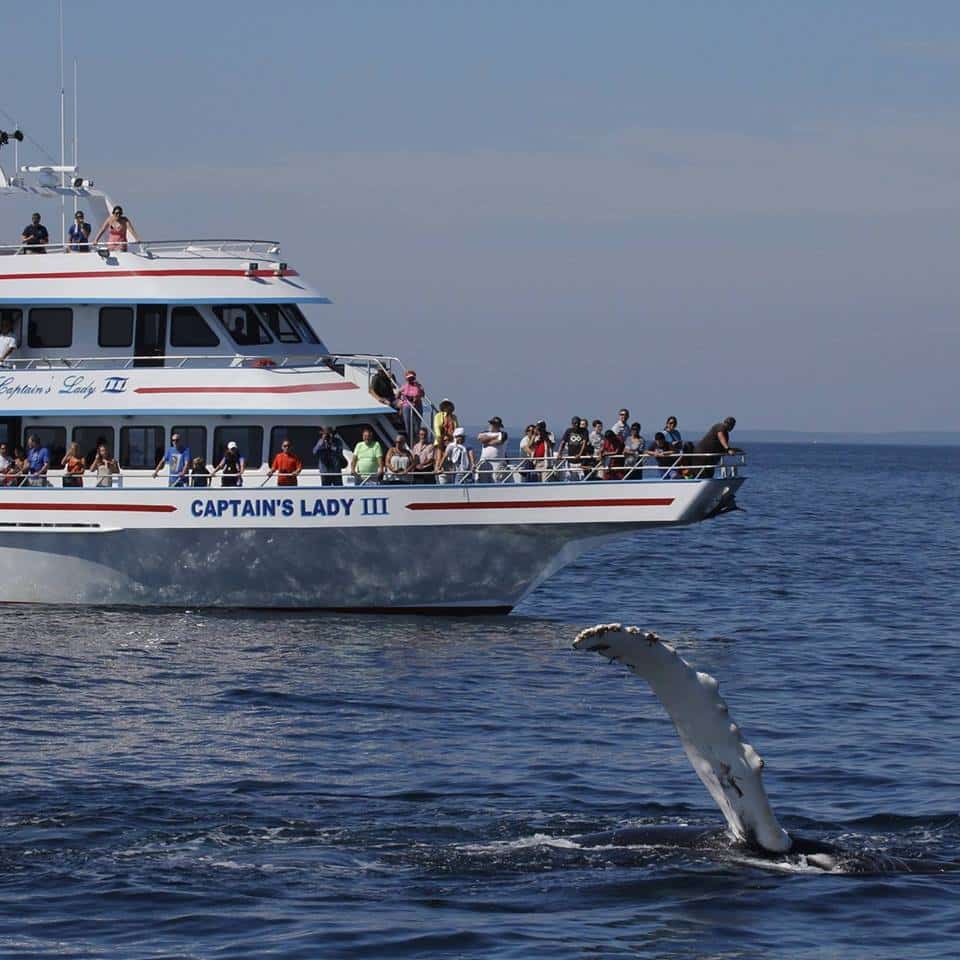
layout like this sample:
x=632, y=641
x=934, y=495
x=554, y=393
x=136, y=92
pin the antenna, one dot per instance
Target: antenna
x=76, y=125
x=63, y=159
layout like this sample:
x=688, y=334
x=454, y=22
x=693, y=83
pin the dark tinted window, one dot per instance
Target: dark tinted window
x=90, y=438
x=141, y=447
x=243, y=325
x=352, y=434
x=50, y=327
x=193, y=437
x=249, y=441
x=116, y=328
x=303, y=439
x=53, y=438
x=189, y=329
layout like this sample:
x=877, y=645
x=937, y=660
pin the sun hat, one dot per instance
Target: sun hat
x=411, y=374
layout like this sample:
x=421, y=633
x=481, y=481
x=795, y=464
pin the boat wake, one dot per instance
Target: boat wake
x=727, y=765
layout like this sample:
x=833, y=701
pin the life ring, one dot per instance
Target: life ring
x=264, y=362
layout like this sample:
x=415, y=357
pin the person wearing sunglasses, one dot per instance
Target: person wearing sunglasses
x=119, y=229
x=79, y=234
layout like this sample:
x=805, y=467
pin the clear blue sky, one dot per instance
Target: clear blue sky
x=696, y=208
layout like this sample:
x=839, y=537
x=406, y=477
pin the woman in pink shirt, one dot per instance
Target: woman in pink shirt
x=411, y=396
x=117, y=226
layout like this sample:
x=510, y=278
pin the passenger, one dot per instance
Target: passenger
x=527, y=441
x=232, y=464
x=199, y=473
x=543, y=452
x=118, y=228
x=575, y=449
x=611, y=454
x=661, y=452
x=456, y=464
x=38, y=460
x=688, y=468
x=399, y=461
x=424, y=458
x=410, y=397
x=104, y=466
x=79, y=234
x=713, y=445
x=35, y=237
x=286, y=465
x=6, y=461
x=384, y=387
x=633, y=447
x=178, y=457
x=8, y=341
x=672, y=434
x=367, y=462
x=20, y=472
x=548, y=434
x=330, y=459
x=622, y=427
x=493, y=443
x=444, y=423
x=73, y=466
x=596, y=439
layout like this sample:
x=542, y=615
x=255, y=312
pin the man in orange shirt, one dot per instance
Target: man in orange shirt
x=287, y=465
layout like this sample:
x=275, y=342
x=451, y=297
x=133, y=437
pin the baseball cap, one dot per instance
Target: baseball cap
x=459, y=432
x=232, y=445
x=411, y=374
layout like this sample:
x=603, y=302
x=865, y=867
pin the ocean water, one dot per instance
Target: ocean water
x=197, y=784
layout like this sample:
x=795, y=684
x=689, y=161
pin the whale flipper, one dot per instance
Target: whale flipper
x=729, y=767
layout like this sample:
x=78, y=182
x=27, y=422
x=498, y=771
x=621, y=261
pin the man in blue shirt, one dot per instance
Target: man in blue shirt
x=79, y=235
x=39, y=460
x=178, y=457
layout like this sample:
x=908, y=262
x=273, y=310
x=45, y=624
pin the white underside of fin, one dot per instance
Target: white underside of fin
x=729, y=767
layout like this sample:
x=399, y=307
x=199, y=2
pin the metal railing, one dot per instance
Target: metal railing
x=506, y=470
x=214, y=248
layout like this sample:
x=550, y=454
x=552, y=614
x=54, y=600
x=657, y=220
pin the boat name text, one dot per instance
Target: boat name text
x=289, y=507
x=74, y=385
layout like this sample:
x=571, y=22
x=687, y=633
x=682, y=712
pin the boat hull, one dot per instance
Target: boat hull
x=483, y=559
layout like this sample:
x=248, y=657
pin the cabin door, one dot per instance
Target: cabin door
x=150, y=336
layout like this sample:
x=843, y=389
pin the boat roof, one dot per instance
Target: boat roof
x=166, y=271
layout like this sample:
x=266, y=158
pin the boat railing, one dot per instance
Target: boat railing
x=507, y=470
x=268, y=250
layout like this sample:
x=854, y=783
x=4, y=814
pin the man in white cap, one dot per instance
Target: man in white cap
x=456, y=463
x=492, y=446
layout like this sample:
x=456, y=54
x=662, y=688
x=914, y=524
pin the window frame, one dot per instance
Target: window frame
x=221, y=437
x=122, y=454
x=251, y=314
x=109, y=433
x=57, y=453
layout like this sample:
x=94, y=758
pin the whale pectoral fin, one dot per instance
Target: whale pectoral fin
x=729, y=768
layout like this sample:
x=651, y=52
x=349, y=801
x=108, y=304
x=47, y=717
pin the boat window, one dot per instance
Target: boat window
x=195, y=438
x=141, y=447
x=189, y=329
x=243, y=325
x=50, y=327
x=279, y=324
x=303, y=440
x=90, y=438
x=249, y=441
x=116, y=328
x=352, y=433
x=14, y=316
x=53, y=438
x=295, y=315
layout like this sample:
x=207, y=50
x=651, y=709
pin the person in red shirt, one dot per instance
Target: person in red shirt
x=612, y=456
x=287, y=465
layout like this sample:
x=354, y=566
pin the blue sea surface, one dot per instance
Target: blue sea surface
x=238, y=784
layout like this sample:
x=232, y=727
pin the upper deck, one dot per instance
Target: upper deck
x=162, y=271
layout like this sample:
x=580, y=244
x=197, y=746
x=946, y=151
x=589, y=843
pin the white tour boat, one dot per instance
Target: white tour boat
x=123, y=345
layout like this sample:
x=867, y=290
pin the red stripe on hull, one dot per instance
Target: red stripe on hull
x=113, y=274
x=94, y=507
x=291, y=388
x=531, y=504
